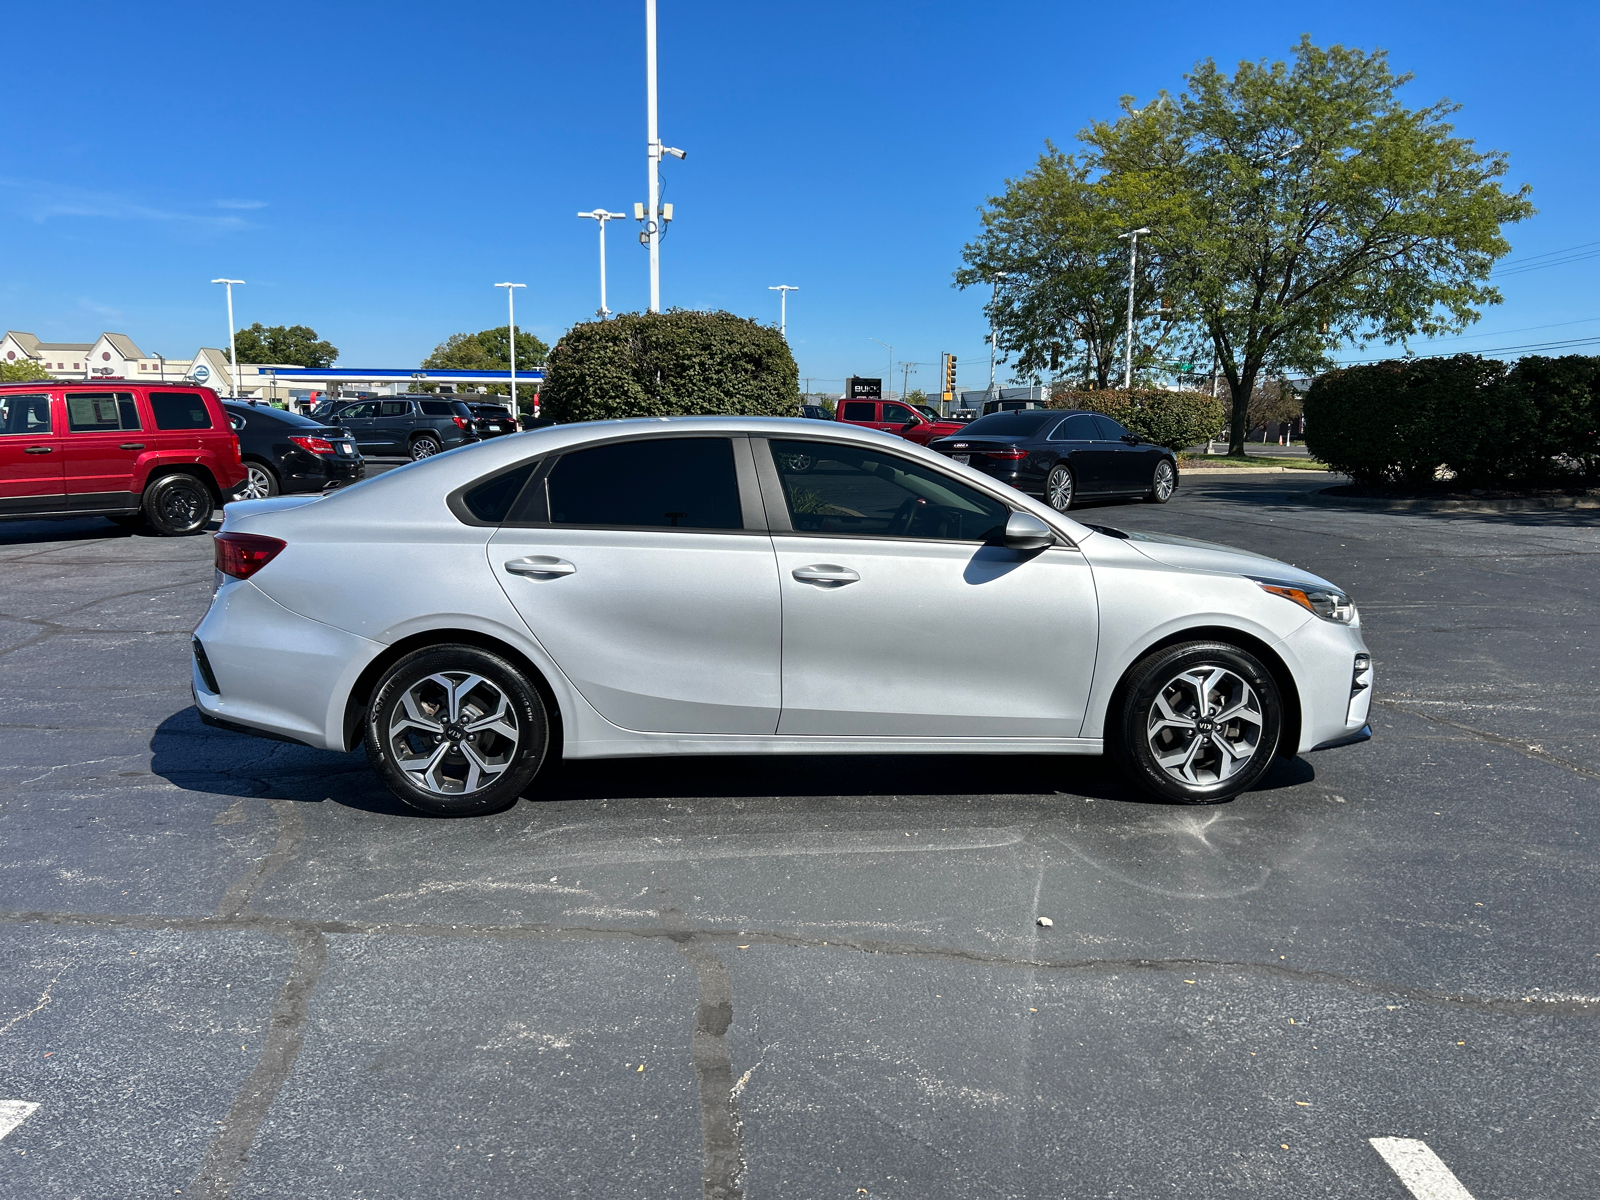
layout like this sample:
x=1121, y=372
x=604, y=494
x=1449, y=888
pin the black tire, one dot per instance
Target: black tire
x=1060, y=488
x=1163, y=482
x=1213, y=770
x=445, y=785
x=178, y=505
x=424, y=446
x=261, y=481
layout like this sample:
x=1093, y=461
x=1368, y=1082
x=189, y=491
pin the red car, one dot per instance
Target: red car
x=920, y=425
x=133, y=452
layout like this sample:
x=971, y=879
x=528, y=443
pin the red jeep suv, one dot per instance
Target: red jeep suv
x=165, y=453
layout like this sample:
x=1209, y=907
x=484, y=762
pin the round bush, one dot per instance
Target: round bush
x=1171, y=419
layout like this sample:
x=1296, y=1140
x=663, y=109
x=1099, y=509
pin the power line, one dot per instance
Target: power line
x=1572, y=254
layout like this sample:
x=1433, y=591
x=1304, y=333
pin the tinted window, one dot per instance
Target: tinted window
x=1010, y=424
x=1077, y=428
x=257, y=418
x=852, y=490
x=396, y=408
x=491, y=501
x=357, y=410
x=859, y=410
x=1109, y=429
x=459, y=408
x=682, y=483
x=898, y=413
x=180, y=410
x=24, y=414
x=88, y=412
x=435, y=408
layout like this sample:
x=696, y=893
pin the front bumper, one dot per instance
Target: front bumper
x=1333, y=672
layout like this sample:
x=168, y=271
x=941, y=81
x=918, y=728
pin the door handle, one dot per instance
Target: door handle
x=540, y=566
x=131, y=446
x=825, y=575
x=38, y=449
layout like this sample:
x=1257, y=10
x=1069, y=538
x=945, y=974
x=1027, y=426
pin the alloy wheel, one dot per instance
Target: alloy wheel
x=1058, y=489
x=258, y=486
x=1205, y=725
x=1163, y=483
x=424, y=448
x=454, y=733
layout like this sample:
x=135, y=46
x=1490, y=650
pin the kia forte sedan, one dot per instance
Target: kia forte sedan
x=720, y=585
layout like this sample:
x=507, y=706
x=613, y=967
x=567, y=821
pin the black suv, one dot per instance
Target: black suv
x=492, y=420
x=410, y=426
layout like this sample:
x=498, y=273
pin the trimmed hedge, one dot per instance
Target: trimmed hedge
x=1401, y=421
x=1172, y=419
x=670, y=364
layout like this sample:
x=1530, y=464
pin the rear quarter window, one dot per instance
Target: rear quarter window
x=436, y=408
x=180, y=410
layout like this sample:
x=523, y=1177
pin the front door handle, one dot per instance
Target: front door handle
x=131, y=446
x=825, y=575
x=38, y=449
x=540, y=566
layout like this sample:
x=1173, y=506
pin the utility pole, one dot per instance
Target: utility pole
x=889, y=379
x=601, y=216
x=994, y=299
x=233, y=354
x=783, y=290
x=1133, y=267
x=511, y=320
x=906, y=370
x=654, y=150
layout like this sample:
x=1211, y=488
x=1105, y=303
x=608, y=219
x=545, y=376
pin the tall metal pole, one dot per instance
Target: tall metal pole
x=600, y=216
x=233, y=353
x=1133, y=267
x=652, y=225
x=783, y=290
x=511, y=320
x=994, y=299
x=889, y=390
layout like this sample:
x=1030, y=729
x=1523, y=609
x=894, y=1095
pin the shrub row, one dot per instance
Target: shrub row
x=1482, y=420
x=1171, y=419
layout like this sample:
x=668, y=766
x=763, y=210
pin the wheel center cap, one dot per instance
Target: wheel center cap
x=1206, y=726
x=454, y=732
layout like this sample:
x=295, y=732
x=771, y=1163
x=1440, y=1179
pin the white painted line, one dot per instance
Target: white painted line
x=1420, y=1169
x=14, y=1113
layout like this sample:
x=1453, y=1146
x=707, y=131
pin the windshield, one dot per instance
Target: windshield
x=928, y=411
x=1024, y=423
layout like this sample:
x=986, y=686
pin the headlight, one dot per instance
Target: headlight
x=1325, y=602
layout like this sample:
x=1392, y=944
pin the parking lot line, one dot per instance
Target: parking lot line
x=14, y=1113
x=1420, y=1169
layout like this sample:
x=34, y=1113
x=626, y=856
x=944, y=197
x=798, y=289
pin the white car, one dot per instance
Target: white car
x=753, y=586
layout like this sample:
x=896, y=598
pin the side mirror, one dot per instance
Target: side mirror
x=912, y=424
x=1024, y=531
x=1133, y=439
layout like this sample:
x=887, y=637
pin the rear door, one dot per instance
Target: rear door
x=103, y=443
x=859, y=412
x=31, y=461
x=396, y=421
x=1130, y=466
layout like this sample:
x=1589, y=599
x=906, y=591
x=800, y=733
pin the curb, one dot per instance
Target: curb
x=1527, y=504
x=1187, y=472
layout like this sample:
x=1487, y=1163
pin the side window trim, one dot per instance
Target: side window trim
x=772, y=498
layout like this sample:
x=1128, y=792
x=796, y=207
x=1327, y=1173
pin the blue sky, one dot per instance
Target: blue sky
x=373, y=170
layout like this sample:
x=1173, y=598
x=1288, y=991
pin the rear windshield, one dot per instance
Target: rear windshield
x=180, y=410
x=1011, y=424
x=262, y=415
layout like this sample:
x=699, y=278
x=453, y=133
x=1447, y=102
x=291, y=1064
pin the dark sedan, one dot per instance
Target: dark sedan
x=1064, y=456
x=285, y=452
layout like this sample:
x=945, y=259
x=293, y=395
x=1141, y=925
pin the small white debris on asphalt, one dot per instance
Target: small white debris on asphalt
x=1045, y=922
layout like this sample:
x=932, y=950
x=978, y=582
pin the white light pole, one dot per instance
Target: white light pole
x=511, y=320
x=654, y=151
x=1133, y=267
x=783, y=290
x=994, y=299
x=889, y=391
x=233, y=355
x=600, y=216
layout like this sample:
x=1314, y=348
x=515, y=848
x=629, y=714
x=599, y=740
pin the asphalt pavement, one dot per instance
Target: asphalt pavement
x=235, y=967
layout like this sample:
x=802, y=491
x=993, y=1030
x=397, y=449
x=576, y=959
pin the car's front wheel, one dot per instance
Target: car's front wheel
x=1163, y=482
x=425, y=446
x=1197, y=722
x=456, y=731
x=1060, y=488
x=178, y=505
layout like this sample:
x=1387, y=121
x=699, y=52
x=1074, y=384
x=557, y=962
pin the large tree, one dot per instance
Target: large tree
x=1300, y=208
x=295, y=344
x=487, y=350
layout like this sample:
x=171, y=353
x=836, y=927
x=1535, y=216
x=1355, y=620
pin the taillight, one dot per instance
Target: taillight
x=241, y=555
x=238, y=455
x=1011, y=455
x=314, y=444
x=461, y=422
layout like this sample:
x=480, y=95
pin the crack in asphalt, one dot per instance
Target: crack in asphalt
x=1526, y=749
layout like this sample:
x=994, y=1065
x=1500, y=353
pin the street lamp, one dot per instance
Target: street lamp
x=994, y=299
x=511, y=320
x=783, y=290
x=1133, y=267
x=601, y=216
x=233, y=355
x=653, y=151
x=890, y=376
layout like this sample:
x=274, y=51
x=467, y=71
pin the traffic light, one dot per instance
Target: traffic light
x=949, y=376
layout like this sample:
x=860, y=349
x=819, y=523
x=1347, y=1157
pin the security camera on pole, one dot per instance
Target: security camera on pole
x=650, y=235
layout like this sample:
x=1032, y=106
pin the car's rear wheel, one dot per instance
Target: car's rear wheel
x=1163, y=482
x=261, y=481
x=425, y=446
x=1060, y=488
x=456, y=731
x=1197, y=722
x=178, y=505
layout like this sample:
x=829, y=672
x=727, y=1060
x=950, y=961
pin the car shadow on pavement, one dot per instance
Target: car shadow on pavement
x=197, y=757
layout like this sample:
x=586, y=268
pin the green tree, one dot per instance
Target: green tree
x=295, y=344
x=487, y=350
x=1300, y=208
x=24, y=370
x=670, y=364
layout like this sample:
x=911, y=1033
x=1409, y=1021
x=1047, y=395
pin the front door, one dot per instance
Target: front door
x=639, y=569
x=31, y=462
x=103, y=442
x=1080, y=440
x=903, y=616
x=362, y=422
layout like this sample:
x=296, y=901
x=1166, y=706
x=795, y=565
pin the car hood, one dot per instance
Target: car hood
x=1189, y=554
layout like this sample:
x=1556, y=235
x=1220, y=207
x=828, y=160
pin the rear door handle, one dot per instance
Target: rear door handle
x=131, y=446
x=825, y=575
x=540, y=566
x=38, y=449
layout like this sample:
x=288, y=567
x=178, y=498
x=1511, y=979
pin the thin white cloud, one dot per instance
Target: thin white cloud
x=103, y=310
x=40, y=202
x=242, y=204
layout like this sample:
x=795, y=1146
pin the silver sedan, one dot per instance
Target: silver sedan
x=753, y=586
